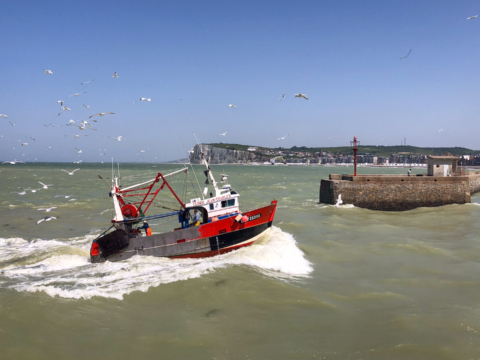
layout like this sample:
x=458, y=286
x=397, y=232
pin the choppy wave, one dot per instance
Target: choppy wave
x=63, y=268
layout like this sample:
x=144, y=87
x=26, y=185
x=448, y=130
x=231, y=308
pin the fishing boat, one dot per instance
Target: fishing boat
x=222, y=228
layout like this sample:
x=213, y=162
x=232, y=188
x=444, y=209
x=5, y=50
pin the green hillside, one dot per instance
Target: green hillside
x=363, y=149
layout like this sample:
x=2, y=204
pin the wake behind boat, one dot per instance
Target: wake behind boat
x=206, y=226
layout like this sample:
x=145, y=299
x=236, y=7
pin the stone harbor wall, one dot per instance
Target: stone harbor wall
x=216, y=155
x=398, y=192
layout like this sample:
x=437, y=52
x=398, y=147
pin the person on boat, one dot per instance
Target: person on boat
x=196, y=218
x=409, y=172
x=148, y=230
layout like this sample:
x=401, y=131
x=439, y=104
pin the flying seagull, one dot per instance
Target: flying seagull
x=34, y=190
x=77, y=136
x=12, y=123
x=225, y=133
x=118, y=138
x=48, y=72
x=66, y=196
x=115, y=75
x=86, y=82
x=79, y=151
x=440, y=130
x=48, y=218
x=76, y=94
x=407, y=55
x=283, y=97
x=472, y=17
x=86, y=106
x=301, y=96
x=32, y=138
x=13, y=162
x=101, y=114
x=66, y=108
x=60, y=102
x=69, y=173
x=23, y=192
x=59, y=114
x=45, y=186
x=282, y=138
x=145, y=99
x=2, y=115
x=24, y=144
x=47, y=125
x=47, y=209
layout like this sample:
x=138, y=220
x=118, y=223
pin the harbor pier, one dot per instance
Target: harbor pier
x=403, y=192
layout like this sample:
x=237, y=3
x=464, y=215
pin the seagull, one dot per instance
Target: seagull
x=48, y=218
x=76, y=94
x=2, y=115
x=283, y=97
x=339, y=200
x=225, y=133
x=86, y=82
x=13, y=162
x=66, y=196
x=69, y=173
x=44, y=185
x=76, y=136
x=101, y=114
x=282, y=138
x=32, y=138
x=232, y=106
x=472, y=17
x=66, y=108
x=115, y=75
x=141, y=151
x=47, y=125
x=301, y=96
x=35, y=190
x=60, y=102
x=12, y=123
x=145, y=99
x=440, y=130
x=59, y=114
x=78, y=152
x=24, y=144
x=49, y=148
x=24, y=192
x=48, y=72
x=118, y=138
x=407, y=55
x=86, y=106
x=77, y=162
x=70, y=122
x=47, y=209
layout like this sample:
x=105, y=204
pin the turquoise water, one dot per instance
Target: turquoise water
x=324, y=282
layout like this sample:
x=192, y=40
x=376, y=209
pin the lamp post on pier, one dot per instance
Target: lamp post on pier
x=354, y=144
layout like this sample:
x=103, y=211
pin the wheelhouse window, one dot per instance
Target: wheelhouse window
x=227, y=203
x=211, y=206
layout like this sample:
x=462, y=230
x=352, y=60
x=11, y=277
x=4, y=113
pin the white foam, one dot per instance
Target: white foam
x=275, y=254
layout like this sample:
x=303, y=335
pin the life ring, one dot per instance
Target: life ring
x=129, y=210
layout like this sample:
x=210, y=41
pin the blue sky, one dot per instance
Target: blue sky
x=194, y=58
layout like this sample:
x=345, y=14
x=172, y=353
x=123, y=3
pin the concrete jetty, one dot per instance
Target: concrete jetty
x=402, y=192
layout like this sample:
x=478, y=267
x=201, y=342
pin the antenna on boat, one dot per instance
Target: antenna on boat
x=112, y=168
x=199, y=188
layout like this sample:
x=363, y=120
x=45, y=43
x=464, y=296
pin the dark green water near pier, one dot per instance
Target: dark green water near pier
x=323, y=283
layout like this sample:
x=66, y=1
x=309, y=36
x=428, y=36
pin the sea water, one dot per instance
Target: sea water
x=323, y=282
